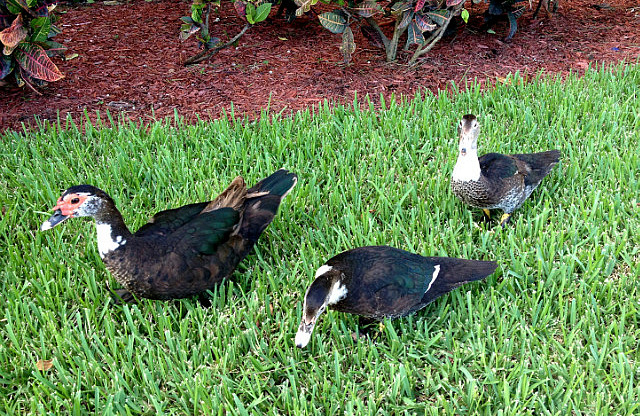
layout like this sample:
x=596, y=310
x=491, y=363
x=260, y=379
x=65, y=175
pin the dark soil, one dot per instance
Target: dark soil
x=130, y=60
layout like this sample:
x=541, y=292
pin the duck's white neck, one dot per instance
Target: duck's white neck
x=467, y=167
x=107, y=241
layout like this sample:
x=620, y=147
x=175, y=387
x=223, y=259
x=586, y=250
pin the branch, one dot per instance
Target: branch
x=206, y=54
x=393, y=45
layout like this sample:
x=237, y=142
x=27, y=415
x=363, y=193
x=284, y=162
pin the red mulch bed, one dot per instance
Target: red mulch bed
x=130, y=60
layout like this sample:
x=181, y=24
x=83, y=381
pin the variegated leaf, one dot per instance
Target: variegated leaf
x=414, y=35
x=14, y=34
x=305, y=6
x=419, y=5
x=406, y=19
x=348, y=46
x=373, y=36
x=439, y=17
x=451, y=3
x=241, y=9
x=367, y=8
x=424, y=24
x=35, y=62
x=400, y=7
x=333, y=21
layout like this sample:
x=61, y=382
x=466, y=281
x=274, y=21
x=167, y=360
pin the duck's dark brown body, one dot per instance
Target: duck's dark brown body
x=386, y=282
x=184, y=251
x=506, y=181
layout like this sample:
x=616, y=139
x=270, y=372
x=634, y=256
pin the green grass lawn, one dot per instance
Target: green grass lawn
x=554, y=331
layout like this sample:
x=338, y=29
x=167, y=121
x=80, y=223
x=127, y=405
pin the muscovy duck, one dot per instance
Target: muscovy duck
x=378, y=282
x=180, y=252
x=495, y=180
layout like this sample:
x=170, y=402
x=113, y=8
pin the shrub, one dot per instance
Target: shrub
x=424, y=21
x=198, y=23
x=26, y=29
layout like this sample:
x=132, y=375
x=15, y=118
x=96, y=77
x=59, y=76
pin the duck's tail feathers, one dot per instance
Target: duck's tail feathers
x=449, y=273
x=263, y=201
x=540, y=163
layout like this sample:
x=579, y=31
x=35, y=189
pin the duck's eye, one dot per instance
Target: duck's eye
x=75, y=200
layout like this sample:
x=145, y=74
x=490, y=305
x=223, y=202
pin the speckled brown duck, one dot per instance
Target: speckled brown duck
x=180, y=252
x=494, y=180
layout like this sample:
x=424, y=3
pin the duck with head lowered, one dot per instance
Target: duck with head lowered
x=378, y=282
x=494, y=180
x=180, y=252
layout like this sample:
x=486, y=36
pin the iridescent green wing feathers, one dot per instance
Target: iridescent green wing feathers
x=166, y=222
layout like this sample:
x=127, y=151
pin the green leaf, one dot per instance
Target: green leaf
x=35, y=62
x=439, y=17
x=187, y=19
x=465, y=15
x=40, y=27
x=262, y=12
x=333, y=21
x=251, y=13
x=6, y=66
x=17, y=6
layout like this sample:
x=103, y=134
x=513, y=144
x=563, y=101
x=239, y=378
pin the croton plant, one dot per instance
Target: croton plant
x=252, y=12
x=26, y=29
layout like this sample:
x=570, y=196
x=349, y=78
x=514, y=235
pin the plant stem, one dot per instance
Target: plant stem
x=206, y=54
x=392, y=48
x=431, y=41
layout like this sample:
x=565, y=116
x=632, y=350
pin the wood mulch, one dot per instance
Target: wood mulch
x=129, y=60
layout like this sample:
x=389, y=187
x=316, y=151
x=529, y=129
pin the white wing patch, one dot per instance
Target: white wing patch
x=436, y=271
x=338, y=292
x=106, y=244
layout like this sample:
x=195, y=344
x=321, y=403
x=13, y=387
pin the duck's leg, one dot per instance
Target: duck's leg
x=204, y=300
x=505, y=219
x=486, y=217
x=121, y=296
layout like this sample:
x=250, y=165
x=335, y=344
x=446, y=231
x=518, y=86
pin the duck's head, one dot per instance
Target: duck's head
x=77, y=201
x=468, y=131
x=327, y=288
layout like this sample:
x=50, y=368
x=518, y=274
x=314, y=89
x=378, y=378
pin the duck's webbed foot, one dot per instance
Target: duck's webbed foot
x=504, y=220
